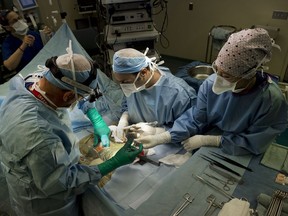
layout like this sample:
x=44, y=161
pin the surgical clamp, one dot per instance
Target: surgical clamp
x=224, y=183
x=187, y=201
x=211, y=200
x=223, y=173
x=213, y=186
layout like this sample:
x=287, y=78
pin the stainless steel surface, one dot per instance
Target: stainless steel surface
x=200, y=72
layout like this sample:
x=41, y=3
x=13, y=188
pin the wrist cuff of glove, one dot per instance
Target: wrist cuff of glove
x=123, y=122
x=85, y=106
x=212, y=140
x=159, y=130
x=164, y=137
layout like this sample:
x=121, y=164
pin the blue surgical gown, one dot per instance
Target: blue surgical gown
x=249, y=122
x=39, y=155
x=163, y=102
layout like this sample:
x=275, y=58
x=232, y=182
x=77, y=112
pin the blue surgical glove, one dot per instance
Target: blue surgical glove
x=100, y=128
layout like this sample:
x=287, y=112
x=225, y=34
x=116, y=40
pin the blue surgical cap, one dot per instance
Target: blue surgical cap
x=129, y=61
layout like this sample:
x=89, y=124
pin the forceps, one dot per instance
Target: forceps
x=224, y=183
x=187, y=201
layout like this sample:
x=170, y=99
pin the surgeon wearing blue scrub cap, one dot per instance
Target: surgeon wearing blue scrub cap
x=38, y=150
x=153, y=94
x=239, y=108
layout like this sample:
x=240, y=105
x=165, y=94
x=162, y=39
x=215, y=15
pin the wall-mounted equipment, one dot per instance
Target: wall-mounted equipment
x=131, y=27
x=130, y=16
x=86, y=6
x=27, y=4
x=118, y=1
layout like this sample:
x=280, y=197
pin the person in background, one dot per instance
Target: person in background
x=154, y=96
x=38, y=150
x=21, y=44
x=239, y=100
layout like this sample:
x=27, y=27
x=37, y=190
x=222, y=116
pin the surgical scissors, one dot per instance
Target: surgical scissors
x=224, y=183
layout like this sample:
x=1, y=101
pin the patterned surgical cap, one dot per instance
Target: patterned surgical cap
x=244, y=51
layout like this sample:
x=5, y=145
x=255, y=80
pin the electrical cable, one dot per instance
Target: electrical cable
x=163, y=7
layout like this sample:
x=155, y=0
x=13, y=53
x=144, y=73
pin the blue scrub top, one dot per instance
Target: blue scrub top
x=249, y=122
x=164, y=102
x=11, y=44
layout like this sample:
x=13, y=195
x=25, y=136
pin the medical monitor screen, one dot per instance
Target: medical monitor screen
x=27, y=4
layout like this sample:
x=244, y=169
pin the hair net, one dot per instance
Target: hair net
x=82, y=73
x=243, y=51
x=129, y=61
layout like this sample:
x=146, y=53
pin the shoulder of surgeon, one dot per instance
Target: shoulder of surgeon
x=208, y=83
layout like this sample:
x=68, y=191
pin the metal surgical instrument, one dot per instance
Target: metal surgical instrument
x=224, y=183
x=187, y=201
x=213, y=186
x=225, y=174
x=216, y=163
x=230, y=161
x=211, y=200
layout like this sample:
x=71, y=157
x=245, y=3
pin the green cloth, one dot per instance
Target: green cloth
x=275, y=157
x=263, y=204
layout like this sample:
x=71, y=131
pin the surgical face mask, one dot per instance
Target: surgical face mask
x=222, y=85
x=21, y=28
x=130, y=88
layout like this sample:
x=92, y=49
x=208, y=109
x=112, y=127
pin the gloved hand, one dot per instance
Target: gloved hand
x=123, y=122
x=100, y=128
x=146, y=128
x=125, y=155
x=150, y=141
x=115, y=132
x=197, y=141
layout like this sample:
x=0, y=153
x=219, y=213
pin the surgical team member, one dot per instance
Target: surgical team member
x=39, y=152
x=152, y=93
x=21, y=44
x=245, y=104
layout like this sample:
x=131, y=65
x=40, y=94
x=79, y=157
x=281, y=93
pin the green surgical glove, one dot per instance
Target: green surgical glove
x=100, y=128
x=125, y=155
